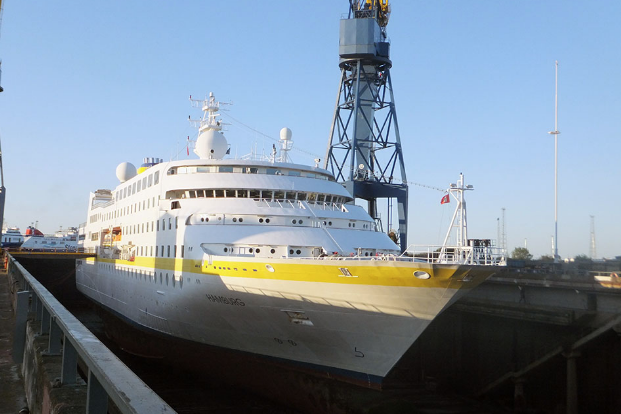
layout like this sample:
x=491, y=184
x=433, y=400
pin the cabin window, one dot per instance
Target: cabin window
x=175, y=251
x=321, y=198
x=230, y=193
x=176, y=222
x=312, y=197
x=268, y=195
x=203, y=169
x=124, y=192
x=156, y=178
x=171, y=171
x=139, y=186
x=168, y=251
x=169, y=223
x=294, y=173
x=219, y=193
x=252, y=170
x=302, y=196
x=182, y=250
x=225, y=169
x=158, y=225
x=242, y=193
x=134, y=188
x=175, y=205
x=256, y=194
x=279, y=195
x=150, y=180
x=144, y=183
x=290, y=195
x=162, y=254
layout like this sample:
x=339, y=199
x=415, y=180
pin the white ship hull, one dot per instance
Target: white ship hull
x=344, y=324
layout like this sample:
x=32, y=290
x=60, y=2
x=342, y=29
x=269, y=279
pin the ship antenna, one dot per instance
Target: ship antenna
x=459, y=221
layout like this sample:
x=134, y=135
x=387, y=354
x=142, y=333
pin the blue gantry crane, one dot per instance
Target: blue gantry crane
x=364, y=152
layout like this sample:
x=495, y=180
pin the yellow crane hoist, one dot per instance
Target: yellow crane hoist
x=378, y=9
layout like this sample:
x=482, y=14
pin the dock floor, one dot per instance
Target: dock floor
x=12, y=394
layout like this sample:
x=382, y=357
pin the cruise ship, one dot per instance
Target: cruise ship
x=266, y=258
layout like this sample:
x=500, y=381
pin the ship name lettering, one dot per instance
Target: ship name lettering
x=225, y=301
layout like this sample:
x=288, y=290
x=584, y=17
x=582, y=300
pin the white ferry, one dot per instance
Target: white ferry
x=269, y=258
x=12, y=238
x=61, y=241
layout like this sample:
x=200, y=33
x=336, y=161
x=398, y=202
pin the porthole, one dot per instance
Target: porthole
x=366, y=253
x=250, y=250
x=290, y=251
x=267, y=220
x=206, y=219
x=269, y=268
x=241, y=219
x=324, y=223
x=294, y=221
x=234, y=220
x=202, y=219
x=273, y=251
x=353, y=224
x=260, y=220
x=349, y=224
x=422, y=275
x=300, y=222
x=258, y=250
x=226, y=249
x=298, y=252
x=329, y=223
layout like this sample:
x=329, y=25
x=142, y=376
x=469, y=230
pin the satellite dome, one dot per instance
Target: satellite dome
x=125, y=171
x=285, y=134
x=211, y=144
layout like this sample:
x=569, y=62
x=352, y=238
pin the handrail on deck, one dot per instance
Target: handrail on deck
x=107, y=375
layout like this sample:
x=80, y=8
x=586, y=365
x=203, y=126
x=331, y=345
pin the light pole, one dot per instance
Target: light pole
x=555, y=133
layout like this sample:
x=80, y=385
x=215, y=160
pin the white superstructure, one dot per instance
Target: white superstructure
x=269, y=258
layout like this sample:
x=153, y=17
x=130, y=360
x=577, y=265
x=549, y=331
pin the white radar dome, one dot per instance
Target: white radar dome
x=211, y=144
x=285, y=134
x=125, y=171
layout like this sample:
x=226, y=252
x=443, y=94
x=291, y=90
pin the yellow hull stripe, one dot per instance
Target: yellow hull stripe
x=375, y=273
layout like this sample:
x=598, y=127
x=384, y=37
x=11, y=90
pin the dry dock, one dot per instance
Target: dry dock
x=522, y=342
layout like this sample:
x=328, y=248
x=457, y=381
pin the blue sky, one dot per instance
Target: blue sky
x=89, y=85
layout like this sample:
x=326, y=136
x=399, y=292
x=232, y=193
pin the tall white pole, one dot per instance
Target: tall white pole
x=555, y=133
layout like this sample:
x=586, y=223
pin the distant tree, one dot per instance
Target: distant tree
x=546, y=258
x=582, y=258
x=521, y=253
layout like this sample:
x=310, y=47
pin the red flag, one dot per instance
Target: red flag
x=445, y=199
